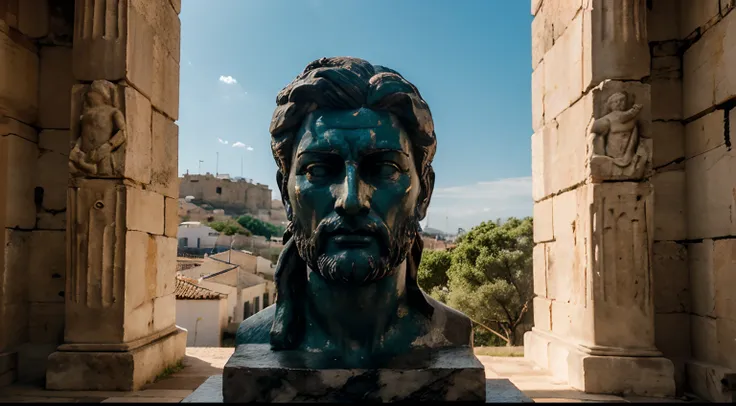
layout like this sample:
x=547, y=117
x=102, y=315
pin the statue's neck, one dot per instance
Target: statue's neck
x=355, y=316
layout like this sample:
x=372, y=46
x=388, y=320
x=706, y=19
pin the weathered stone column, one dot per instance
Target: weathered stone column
x=120, y=327
x=593, y=211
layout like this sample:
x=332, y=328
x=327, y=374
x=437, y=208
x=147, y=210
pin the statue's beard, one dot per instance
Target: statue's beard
x=358, y=267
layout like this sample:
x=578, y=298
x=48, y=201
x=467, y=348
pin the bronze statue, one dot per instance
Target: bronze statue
x=354, y=144
x=96, y=151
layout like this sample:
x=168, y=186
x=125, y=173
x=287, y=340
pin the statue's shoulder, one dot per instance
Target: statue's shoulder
x=455, y=326
x=256, y=329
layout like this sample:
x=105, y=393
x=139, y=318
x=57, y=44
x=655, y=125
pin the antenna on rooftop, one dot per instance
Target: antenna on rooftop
x=199, y=170
x=217, y=165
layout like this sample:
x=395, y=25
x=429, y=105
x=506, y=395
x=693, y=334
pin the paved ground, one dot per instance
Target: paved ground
x=200, y=363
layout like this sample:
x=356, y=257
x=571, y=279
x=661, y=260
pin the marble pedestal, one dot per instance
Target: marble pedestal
x=497, y=391
x=256, y=374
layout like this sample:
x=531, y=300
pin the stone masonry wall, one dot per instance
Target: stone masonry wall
x=708, y=49
x=35, y=82
x=669, y=262
x=557, y=84
x=237, y=195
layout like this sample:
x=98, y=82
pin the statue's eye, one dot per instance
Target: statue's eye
x=387, y=170
x=317, y=170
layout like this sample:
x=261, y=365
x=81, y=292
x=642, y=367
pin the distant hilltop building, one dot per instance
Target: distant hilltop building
x=222, y=192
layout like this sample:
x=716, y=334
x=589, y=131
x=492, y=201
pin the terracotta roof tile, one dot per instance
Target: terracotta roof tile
x=187, y=289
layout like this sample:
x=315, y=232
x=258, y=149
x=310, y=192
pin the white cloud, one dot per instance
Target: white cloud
x=228, y=80
x=469, y=205
x=241, y=145
x=221, y=141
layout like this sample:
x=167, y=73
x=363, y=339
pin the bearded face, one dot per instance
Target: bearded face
x=353, y=191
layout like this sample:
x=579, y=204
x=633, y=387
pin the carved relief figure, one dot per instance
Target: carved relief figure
x=616, y=146
x=354, y=144
x=97, y=151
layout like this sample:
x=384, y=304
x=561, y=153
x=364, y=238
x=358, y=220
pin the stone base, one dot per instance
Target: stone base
x=643, y=376
x=497, y=391
x=255, y=373
x=8, y=368
x=115, y=371
x=710, y=382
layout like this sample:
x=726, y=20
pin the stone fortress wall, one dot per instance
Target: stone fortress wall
x=88, y=260
x=635, y=266
x=230, y=194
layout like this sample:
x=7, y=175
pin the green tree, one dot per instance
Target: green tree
x=432, y=271
x=491, y=278
x=259, y=227
x=228, y=227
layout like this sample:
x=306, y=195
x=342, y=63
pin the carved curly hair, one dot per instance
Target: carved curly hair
x=343, y=83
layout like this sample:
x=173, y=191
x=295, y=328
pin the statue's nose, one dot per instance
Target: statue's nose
x=352, y=200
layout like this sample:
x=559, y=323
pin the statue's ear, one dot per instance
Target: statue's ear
x=427, y=182
x=284, y=193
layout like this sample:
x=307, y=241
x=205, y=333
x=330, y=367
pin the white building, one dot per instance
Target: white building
x=202, y=312
x=193, y=234
x=245, y=278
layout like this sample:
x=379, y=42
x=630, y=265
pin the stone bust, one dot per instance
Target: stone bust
x=354, y=144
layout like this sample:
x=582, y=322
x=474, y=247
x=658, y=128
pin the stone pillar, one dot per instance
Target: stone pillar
x=120, y=330
x=593, y=210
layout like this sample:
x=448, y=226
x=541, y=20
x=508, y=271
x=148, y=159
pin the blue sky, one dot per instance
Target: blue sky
x=472, y=64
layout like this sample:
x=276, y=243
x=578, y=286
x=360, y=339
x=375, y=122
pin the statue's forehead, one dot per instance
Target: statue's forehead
x=352, y=131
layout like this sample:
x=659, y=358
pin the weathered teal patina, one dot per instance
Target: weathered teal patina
x=354, y=144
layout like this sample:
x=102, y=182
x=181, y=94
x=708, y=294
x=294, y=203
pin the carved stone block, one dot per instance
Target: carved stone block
x=145, y=211
x=164, y=156
x=563, y=66
x=112, y=41
x=18, y=80
x=538, y=97
x=163, y=17
x=47, y=272
x=46, y=323
x=111, y=132
x=615, y=41
x=620, y=146
x=620, y=270
x=704, y=134
x=52, y=173
x=19, y=157
x=668, y=139
x=165, y=95
x=96, y=261
x=55, y=83
x=672, y=287
x=724, y=269
x=165, y=266
x=14, y=287
x=707, y=68
x=542, y=313
x=16, y=260
x=171, y=217
x=670, y=222
x=543, y=229
x=711, y=179
x=539, y=261
x=702, y=285
x=164, y=312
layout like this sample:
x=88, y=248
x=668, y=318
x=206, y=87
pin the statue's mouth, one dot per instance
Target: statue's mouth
x=352, y=240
